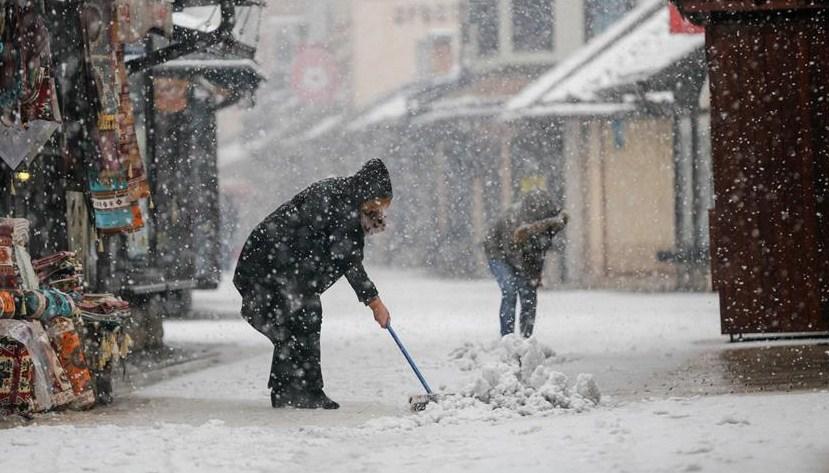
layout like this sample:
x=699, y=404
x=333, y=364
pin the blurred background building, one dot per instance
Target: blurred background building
x=473, y=102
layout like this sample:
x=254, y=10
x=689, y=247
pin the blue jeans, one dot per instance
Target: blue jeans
x=514, y=285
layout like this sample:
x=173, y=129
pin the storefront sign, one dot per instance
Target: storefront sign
x=314, y=75
x=680, y=25
x=427, y=13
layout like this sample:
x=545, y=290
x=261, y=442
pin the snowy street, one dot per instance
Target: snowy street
x=639, y=177
x=644, y=351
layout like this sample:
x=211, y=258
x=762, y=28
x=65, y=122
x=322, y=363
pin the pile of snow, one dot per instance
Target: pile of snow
x=515, y=377
x=518, y=374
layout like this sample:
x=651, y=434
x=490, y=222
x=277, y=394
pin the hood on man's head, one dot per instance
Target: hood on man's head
x=537, y=205
x=372, y=181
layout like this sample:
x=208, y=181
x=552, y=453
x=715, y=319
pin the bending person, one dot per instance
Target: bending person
x=515, y=246
x=297, y=253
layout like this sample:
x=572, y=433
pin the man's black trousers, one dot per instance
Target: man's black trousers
x=292, y=323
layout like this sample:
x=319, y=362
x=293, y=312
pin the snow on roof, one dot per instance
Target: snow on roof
x=565, y=109
x=392, y=108
x=324, y=126
x=401, y=102
x=582, y=56
x=204, y=19
x=463, y=106
x=639, y=55
x=213, y=63
x=635, y=48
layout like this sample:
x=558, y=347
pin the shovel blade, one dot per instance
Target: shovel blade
x=418, y=402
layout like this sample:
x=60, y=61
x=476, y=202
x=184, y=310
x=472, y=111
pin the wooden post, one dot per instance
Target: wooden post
x=769, y=73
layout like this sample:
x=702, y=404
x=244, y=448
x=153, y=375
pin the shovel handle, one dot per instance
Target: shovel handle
x=409, y=358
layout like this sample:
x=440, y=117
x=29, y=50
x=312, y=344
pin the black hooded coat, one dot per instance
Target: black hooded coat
x=311, y=241
x=295, y=254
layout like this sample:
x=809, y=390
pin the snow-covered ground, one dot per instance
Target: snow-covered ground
x=640, y=348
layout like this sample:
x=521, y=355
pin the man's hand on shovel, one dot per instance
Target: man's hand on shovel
x=381, y=313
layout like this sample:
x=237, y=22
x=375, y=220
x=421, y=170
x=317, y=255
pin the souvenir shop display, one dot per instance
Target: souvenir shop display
x=119, y=182
x=58, y=345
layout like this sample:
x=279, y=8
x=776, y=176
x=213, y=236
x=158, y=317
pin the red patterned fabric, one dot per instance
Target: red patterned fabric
x=16, y=378
x=67, y=344
x=7, y=304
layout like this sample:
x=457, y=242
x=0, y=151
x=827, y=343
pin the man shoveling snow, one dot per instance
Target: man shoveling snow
x=293, y=256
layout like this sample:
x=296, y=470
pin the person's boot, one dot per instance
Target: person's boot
x=302, y=399
x=325, y=402
x=279, y=399
x=313, y=400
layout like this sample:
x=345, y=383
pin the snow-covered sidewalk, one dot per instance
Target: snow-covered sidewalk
x=637, y=347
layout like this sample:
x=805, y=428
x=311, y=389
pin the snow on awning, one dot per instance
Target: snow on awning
x=404, y=102
x=188, y=63
x=238, y=76
x=204, y=19
x=393, y=108
x=636, y=48
x=466, y=106
x=578, y=109
x=321, y=128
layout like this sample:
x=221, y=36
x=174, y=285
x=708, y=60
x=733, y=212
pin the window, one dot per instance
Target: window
x=600, y=14
x=435, y=56
x=532, y=25
x=483, y=17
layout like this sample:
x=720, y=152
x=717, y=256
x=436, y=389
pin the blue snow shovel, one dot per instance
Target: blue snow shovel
x=417, y=402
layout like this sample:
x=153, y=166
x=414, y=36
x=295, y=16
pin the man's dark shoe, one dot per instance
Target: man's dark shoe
x=322, y=401
x=279, y=399
x=302, y=400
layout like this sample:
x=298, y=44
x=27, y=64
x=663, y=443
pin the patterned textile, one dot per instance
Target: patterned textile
x=16, y=270
x=8, y=306
x=17, y=229
x=43, y=103
x=103, y=307
x=111, y=206
x=8, y=272
x=9, y=278
x=51, y=264
x=27, y=88
x=59, y=304
x=137, y=183
x=46, y=304
x=98, y=21
x=136, y=17
x=61, y=388
x=120, y=180
x=67, y=344
x=35, y=303
x=51, y=387
x=61, y=271
x=16, y=378
x=11, y=83
x=39, y=99
x=23, y=262
x=6, y=256
x=106, y=343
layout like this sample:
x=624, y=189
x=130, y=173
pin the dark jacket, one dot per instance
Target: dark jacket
x=538, y=219
x=312, y=240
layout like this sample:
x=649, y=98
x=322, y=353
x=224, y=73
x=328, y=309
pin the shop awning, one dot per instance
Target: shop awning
x=227, y=73
x=402, y=103
x=318, y=130
x=637, y=49
x=467, y=106
x=388, y=110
